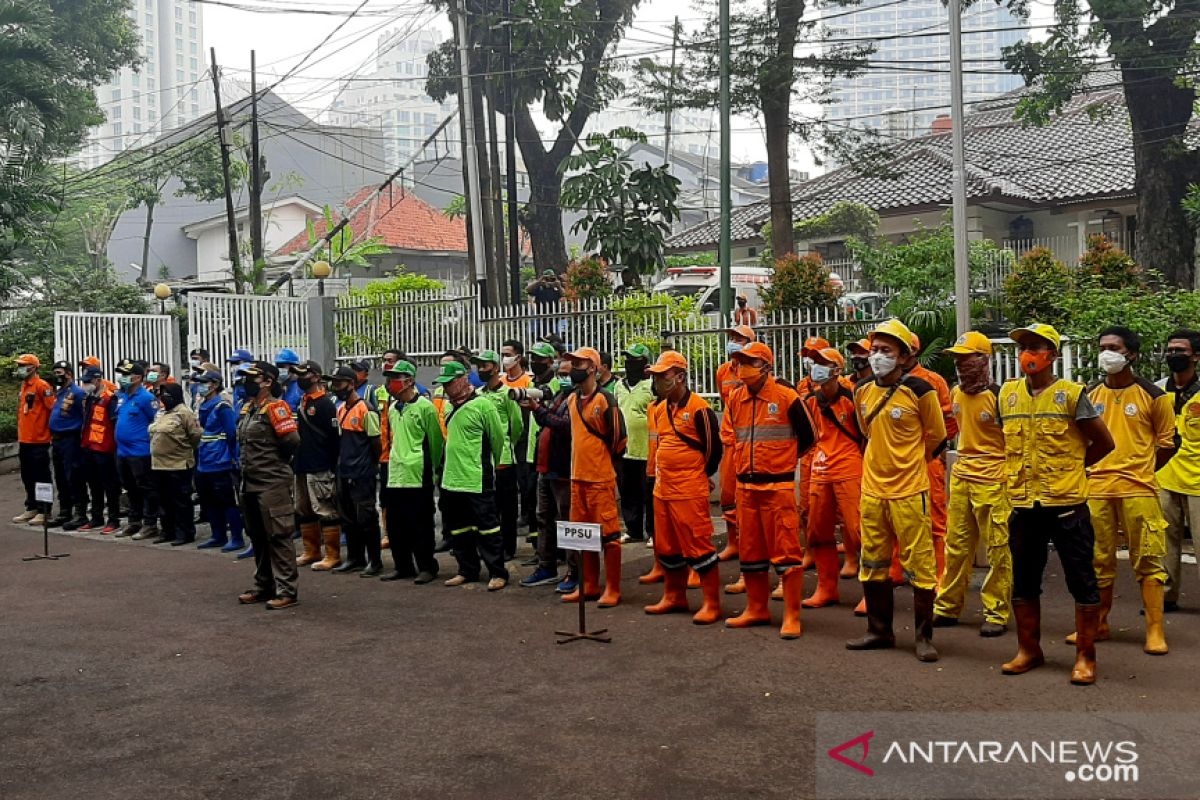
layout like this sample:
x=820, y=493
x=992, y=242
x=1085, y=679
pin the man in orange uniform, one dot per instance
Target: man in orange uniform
x=597, y=438
x=684, y=435
x=938, y=500
x=836, y=474
x=771, y=430
x=727, y=381
x=34, y=403
x=812, y=345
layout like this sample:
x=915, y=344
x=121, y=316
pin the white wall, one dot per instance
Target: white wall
x=280, y=225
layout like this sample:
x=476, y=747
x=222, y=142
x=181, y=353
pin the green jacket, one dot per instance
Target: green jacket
x=417, y=444
x=474, y=446
x=510, y=418
x=534, y=428
x=635, y=403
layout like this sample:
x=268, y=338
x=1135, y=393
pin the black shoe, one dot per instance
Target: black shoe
x=425, y=577
x=349, y=566
x=75, y=524
x=372, y=570
x=443, y=546
x=988, y=630
x=163, y=539
x=532, y=561
x=58, y=521
x=182, y=542
x=944, y=622
x=393, y=575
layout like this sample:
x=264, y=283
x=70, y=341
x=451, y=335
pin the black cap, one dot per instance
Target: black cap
x=128, y=367
x=64, y=365
x=361, y=365
x=173, y=390
x=309, y=366
x=342, y=373
x=263, y=368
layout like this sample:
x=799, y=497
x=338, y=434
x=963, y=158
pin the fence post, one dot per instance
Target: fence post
x=322, y=332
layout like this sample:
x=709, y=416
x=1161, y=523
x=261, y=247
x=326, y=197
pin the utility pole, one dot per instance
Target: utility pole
x=516, y=287
x=670, y=96
x=256, y=178
x=726, y=246
x=962, y=268
x=470, y=153
x=230, y=219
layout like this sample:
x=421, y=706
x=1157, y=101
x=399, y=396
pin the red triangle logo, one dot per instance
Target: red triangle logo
x=836, y=753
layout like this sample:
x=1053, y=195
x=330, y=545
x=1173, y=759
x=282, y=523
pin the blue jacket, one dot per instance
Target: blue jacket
x=292, y=395
x=239, y=396
x=68, y=417
x=218, y=442
x=135, y=412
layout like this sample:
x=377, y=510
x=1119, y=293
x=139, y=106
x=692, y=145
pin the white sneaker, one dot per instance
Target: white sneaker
x=38, y=520
x=650, y=543
x=21, y=519
x=496, y=584
x=624, y=538
x=457, y=580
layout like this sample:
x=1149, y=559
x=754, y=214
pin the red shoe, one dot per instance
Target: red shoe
x=87, y=526
x=111, y=528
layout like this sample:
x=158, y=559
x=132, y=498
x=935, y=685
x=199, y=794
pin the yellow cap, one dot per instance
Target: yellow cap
x=971, y=342
x=1040, y=330
x=894, y=328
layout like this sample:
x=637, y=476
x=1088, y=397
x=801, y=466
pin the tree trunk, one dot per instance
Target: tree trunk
x=144, y=276
x=485, y=185
x=776, y=90
x=501, y=257
x=543, y=215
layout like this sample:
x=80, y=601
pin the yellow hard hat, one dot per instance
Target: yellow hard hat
x=894, y=328
x=971, y=342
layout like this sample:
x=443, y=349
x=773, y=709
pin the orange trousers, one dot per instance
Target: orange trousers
x=728, y=488
x=829, y=500
x=596, y=503
x=768, y=529
x=683, y=532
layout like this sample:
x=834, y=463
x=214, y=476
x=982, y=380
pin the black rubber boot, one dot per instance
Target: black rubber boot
x=880, y=609
x=923, y=623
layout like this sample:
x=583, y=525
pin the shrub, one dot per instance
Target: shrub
x=1037, y=288
x=587, y=278
x=800, y=282
x=1108, y=266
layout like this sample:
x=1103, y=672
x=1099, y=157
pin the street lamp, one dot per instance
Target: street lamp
x=162, y=292
x=321, y=270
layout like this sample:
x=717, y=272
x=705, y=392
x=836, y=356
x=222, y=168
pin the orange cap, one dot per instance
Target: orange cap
x=755, y=350
x=915, y=341
x=832, y=355
x=861, y=344
x=89, y=361
x=813, y=344
x=586, y=354
x=28, y=360
x=670, y=359
x=744, y=331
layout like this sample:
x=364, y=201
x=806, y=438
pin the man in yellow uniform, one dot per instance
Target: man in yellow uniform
x=1179, y=480
x=900, y=416
x=1051, y=434
x=1122, y=492
x=978, y=502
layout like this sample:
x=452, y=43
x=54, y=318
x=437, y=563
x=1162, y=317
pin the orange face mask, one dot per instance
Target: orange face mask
x=1034, y=362
x=749, y=375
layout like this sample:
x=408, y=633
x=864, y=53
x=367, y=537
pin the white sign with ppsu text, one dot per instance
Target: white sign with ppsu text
x=579, y=536
x=43, y=492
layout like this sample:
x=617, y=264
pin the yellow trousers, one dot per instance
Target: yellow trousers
x=903, y=521
x=1145, y=530
x=977, y=510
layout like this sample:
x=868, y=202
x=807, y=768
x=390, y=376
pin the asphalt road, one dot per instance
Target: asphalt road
x=130, y=671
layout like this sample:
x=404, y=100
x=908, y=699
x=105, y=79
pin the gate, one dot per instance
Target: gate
x=113, y=337
x=222, y=323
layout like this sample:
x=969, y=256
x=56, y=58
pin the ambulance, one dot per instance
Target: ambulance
x=704, y=284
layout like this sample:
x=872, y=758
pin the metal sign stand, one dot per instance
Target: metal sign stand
x=45, y=496
x=579, y=537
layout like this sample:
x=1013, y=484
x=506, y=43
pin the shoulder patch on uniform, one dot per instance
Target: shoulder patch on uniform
x=1060, y=398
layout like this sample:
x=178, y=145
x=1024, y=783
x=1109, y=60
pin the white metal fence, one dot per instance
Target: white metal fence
x=222, y=323
x=1072, y=365
x=113, y=337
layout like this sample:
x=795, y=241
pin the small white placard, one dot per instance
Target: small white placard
x=43, y=492
x=579, y=536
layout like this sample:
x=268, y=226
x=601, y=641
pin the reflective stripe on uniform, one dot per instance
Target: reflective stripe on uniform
x=765, y=433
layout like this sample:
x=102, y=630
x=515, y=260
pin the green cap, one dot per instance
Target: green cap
x=543, y=350
x=450, y=371
x=401, y=368
x=638, y=350
x=548, y=273
x=486, y=356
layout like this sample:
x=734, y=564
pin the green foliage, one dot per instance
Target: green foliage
x=374, y=303
x=343, y=249
x=1037, y=288
x=691, y=260
x=587, y=278
x=456, y=208
x=642, y=318
x=842, y=219
x=386, y=291
x=1108, y=266
x=924, y=266
x=627, y=212
x=799, y=282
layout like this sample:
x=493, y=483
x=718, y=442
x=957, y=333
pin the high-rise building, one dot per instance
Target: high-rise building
x=392, y=97
x=694, y=132
x=906, y=84
x=168, y=89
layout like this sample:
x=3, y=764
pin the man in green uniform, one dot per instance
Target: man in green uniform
x=634, y=396
x=508, y=490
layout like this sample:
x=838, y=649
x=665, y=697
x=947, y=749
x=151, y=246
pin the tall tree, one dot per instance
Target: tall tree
x=560, y=65
x=1151, y=53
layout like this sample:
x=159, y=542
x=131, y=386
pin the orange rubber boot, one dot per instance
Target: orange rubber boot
x=693, y=579
x=590, y=582
x=674, y=594
x=793, y=591
x=827, y=579
x=777, y=592
x=939, y=556
x=850, y=549
x=311, y=533
x=809, y=561
x=655, y=575
x=860, y=610
x=332, y=534
x=758, y=587
x=612, y=576
x=731, y=544
x=710, y=612
x=737, y=587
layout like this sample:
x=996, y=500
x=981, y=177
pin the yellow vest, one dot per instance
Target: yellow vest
x=1044, y=448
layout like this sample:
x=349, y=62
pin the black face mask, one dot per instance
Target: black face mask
x=860, y=363
x=541, y=368
x=61, y=380
x=486, y=375
x=1178, y=362
x=341, y=394
x=307, y=383
x=635, y=369
x=252, y=387
x=578, y=376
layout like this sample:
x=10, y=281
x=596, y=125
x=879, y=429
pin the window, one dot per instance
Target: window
x=193, y=48
x=150, y=84
x=116, y=95
x=179, y=76
x=117, y=130
x=178, y=28
x=178, y=12
x=195, y=95
x=179, y=59
x=137, y=112
x=192, y=17
x=195, y=65
x=137, y=127
x=115, y=113
x=195, y=110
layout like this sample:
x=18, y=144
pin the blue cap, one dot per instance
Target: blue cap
x=240, y=368
x=212, y=376
x=287, y=357
x=90, y=374
x=240, y=357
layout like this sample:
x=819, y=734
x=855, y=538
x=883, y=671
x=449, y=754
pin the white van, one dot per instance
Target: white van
x=704, y=283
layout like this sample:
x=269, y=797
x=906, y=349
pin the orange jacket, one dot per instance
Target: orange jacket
x=838, y=454
x=943, y=395
x=33, y=411
x=597, y=436
x=771, y=430
x=100, y=432
x=727, y=381
x=685, y=446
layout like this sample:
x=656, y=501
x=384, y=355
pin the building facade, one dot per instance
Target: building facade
x=169, y=89
x=907, y=85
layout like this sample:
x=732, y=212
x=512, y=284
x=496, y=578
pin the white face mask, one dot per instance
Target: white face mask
x=820, y=373
x=1112, y=362
x=806, y=365
x=882, y=365
x=508, y=361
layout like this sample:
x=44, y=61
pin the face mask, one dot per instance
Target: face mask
x=124, y=381
x=1111, y=362
x=974, y=374
x=60, y=380
x=882, y=365
x=541, y=368
x=211, y=389
x=733, y=347
x=578, y=376
x=485, y=375
x=663, y=386
x=396, y=387
x=90, y=388
x=342, y=394
x=751, y=376
x=821, y=373
x=151, y=377
x=806, y=365
x=635, y=370
x=860, y=363
x=253, y=387
x=565, y=382
x=1178, y=363
x=24, y=372
x=307, y=383
x=508, y=361
x=194, y=363
x=1034, y=362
